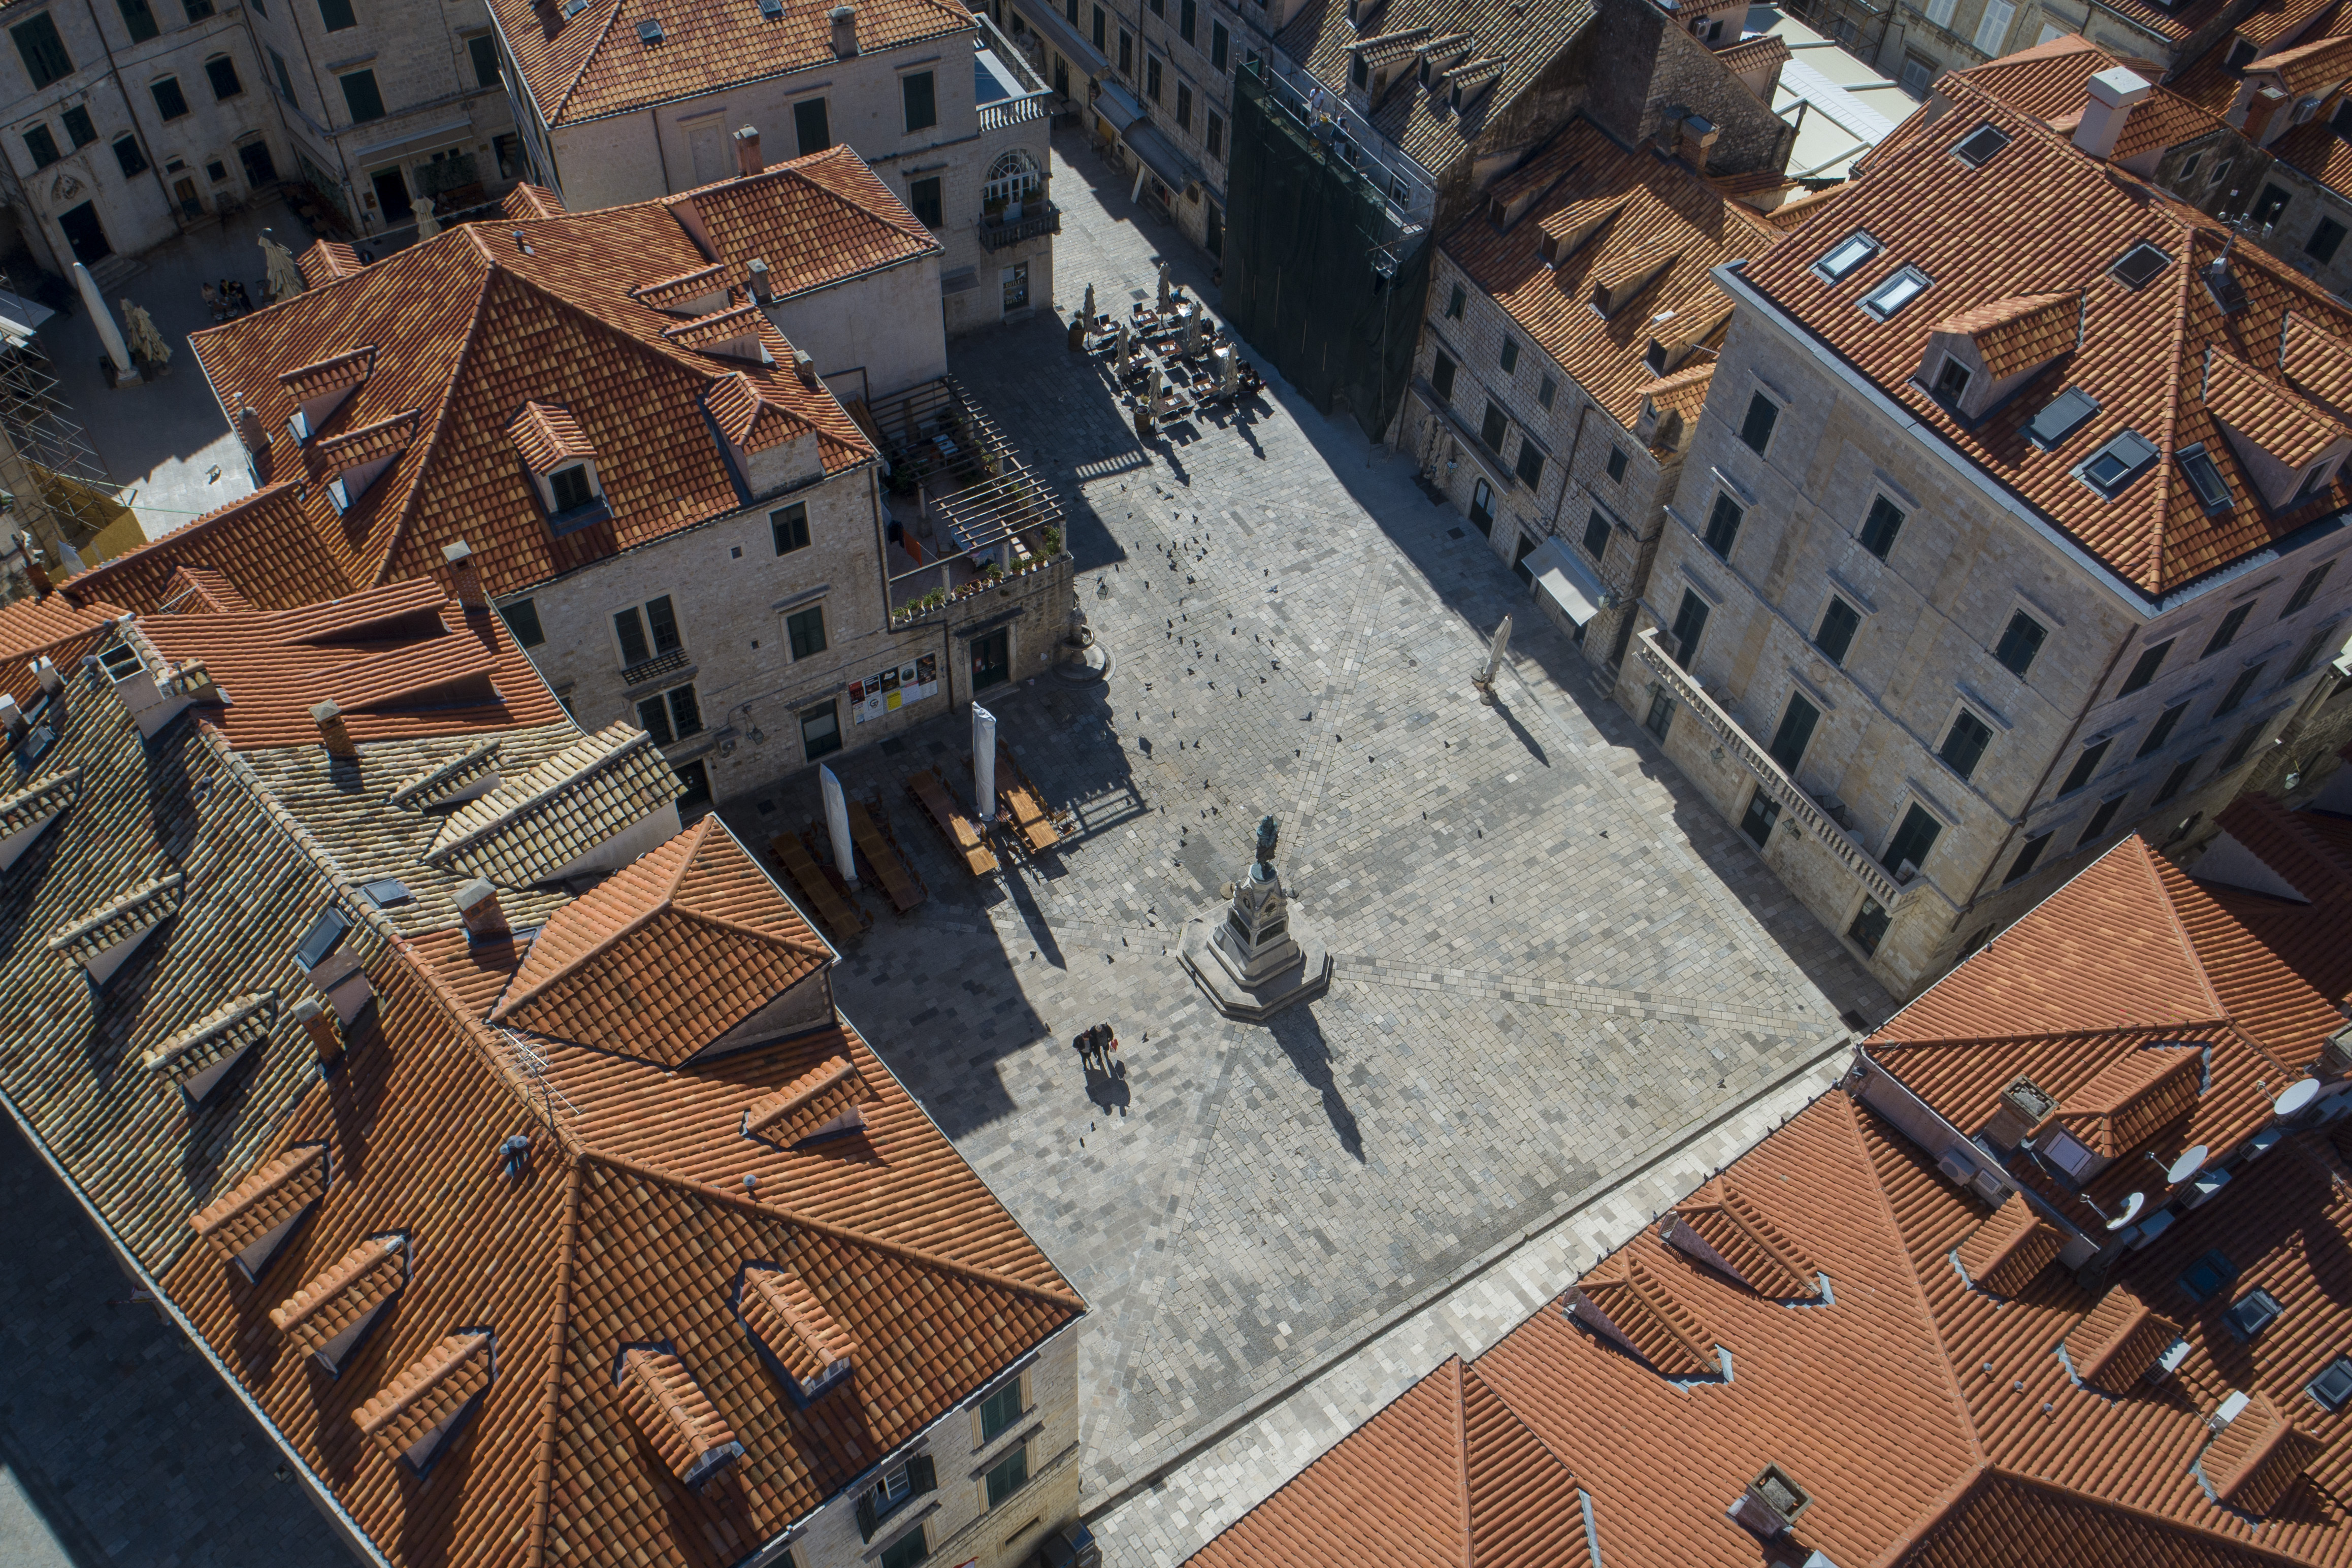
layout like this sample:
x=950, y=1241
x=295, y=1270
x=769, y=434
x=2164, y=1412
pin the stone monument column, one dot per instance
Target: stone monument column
x=1254, y=957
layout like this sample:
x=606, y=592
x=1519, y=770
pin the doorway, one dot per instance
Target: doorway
x=992, y=659
x=1214, y=243
x=259, y=170
x=1519, y=561
x=83, y=233
x=1482, y=508
x=392, y=196
x=183, y=193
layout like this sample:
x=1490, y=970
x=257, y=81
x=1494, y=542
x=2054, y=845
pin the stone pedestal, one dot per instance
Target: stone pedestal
x=1254, y=957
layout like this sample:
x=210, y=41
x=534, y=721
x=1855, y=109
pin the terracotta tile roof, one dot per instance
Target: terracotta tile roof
x=273, y=1194
x=117, y=921
x=683, y=290
x=2317, y=365
x=1485, y=1491
x=31, y=626
x=2019, y=1522
x=2011, y=335
x=436, y=783
x=2311, y=66
x=1522, y=39
x=2012, y=1246
x=1655, y=216
x=235, y=1024
x=748, y=417
x=587, y=66
x=400, y=662
x=1751, y=55
x=547, y=436
x=2043, y=218
x=2118, y=1340
x=473, y=325
x=2126, y=1100
x=662, y=1397
x=2266, y=413
x=779, y=1307
x=528, y=203
x=333, y=374
x=327, y=261
x=819, y=1096
x=665, y=957
x=1624, y=1299
x=1737, y=1236
x=1683, y=392
x=2311, y=852
x=2252, y=1462
x=428, y=1391
x=201, y=591
x=44, y=798
x=535, y=824
x=333, y=1300
x=2052, y=83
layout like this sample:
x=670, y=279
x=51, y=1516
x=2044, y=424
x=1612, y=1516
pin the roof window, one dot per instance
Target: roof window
x=2208, y=1275
x=2113, y=468
x=2205, y=478
x=1977, y=147
x=2255, y=1310
x=649, y=31
x=2061, y=418
x=1846, y=256
x=2332, y=1387
x=2137, y=265
x=1896, y=292
x=772, y=10
x=573, y=7
x=387, y=894
x=326, y=934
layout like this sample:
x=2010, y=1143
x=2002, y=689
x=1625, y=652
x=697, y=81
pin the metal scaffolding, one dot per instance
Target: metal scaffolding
x=59, y=498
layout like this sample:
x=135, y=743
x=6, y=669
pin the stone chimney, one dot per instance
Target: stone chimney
x=464, y=580
x=36, y=573
x=805, y=367
x=478, y=906
x=2113, y=92
x=1694, y=139
x=845, y=31
x=248, y=426
x=2262, y=110
x=334, y=733
x=763, y=291
x=46, y=674
x=12, y=721
x=747, y=151
x=326, y=1031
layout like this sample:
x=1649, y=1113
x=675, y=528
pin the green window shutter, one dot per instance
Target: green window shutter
x=920, y=1475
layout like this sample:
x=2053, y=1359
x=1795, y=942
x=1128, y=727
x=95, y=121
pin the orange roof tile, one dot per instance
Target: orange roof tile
x=266, y=546
x=1626, y=1299
x=528, y=203
x=270, y=1196
x=2118, y=1340
x=665, y=957
x=2016, y=335
x=676, y=1416
x=816, y=221
x=2267, y=414
x=548, y=436
x=2312, y=66
x=2044, y=218
x=794, y=1325
x=384, y=438
x=2253, y=1461
x=1743, y=1240
x=428, y=1392
x=2012, y=1246
x=200, y=589
x=328, y=260
x=332, y=1301
x=2125, y=1101
x=819, y=1096
x=333, y=374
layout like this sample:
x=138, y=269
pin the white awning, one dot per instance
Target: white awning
x=1118, y=106
x=1159, y=155
x=1570, y=583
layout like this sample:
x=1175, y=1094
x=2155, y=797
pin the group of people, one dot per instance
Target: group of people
x=229, y=300
x=1094, y=1048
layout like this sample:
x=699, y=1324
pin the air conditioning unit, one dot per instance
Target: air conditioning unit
x=2306, y=109
x=1990, y=1187
x=1956, y=1166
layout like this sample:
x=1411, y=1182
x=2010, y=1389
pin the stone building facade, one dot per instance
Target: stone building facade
x=934, y=98
x=127, y=122
x=1927, y=691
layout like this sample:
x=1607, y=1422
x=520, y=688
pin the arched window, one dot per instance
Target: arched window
x=1013, y=177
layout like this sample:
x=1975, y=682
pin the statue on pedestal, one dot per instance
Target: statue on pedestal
x=1254, y=958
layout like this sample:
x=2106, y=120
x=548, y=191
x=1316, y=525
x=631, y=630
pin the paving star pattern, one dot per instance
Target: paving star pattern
x=1553, y=961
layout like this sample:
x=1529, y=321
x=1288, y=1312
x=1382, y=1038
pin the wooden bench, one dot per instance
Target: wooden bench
x=842, y=919
x=1030, y=818
x=897, y=878
x=953, y=825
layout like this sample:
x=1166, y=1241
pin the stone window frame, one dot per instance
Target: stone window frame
x=1781, y=404
x=1964, y=700
x=1834, y=590
x=1879, y=488
x=1913, y=793
x=2021, y=602
x=645, y=595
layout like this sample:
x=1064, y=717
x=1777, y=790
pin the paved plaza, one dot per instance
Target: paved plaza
x=1566, y=990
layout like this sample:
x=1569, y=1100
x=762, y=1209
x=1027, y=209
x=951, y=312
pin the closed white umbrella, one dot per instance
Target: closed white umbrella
x=983, y=762
x=836, y=817
x=284, y=276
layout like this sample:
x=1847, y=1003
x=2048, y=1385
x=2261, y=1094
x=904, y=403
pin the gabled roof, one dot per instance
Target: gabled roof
x=586, y=66
x=2042, y=218
x=818, y=1095
x=2051, y=81
x=2118, y=1340
x=475, y=324
x=2017, y=333
x=1740, y=1233
x=536, y=824
x=2012, y=1246
x=665, y=956
x=2311, y=851
x=2267, y=413
x=235, y=1024
x=273, y=1193
x=1653, y=212
x=427, y=1392
x=345, y=1292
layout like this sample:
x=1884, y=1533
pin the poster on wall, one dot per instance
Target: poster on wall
x=888, y=690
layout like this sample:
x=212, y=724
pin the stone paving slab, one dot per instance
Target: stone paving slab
x=1552, y=957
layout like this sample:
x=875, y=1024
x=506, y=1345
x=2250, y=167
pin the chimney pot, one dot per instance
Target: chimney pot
x=747, y=151
x=478, y=906
x=764, y=289
x=1696, y=139
x=46, y=674
x=13, y=720
x=326, y=1030
x=2112, y=93
x=334, y=731
x=249, y=429
x=806, y=367
x=2262, y=109
x=845, y=31
x=465, y=578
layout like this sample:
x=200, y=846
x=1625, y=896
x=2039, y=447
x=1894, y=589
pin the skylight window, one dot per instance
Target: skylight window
x=2205, y=478
x=2208, y=1275
x=1977, y=147
x=649, y=31
x=2333, y=1387
x=1895, y=293
x=2140, y=263
x=772, y=10
x=2061, y=418
x=2255, y=1310
x=326, y=934
x=388, y=893
x=1846, y=256
x=2112, y=468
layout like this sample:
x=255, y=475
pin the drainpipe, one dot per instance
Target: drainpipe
x=325, y=119
x=653, y=118
x=114, y=74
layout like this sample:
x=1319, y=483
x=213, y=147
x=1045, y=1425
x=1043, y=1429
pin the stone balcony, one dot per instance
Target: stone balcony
x=1036, y=218
x=1770, y=776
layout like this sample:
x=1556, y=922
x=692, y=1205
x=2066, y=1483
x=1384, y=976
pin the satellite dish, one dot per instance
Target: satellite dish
x=2191, y=1161
x=2298, y=1098
x=2132, y=1205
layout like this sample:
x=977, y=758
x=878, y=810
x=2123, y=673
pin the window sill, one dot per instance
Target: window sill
x=559, y=523
x=995, y=1449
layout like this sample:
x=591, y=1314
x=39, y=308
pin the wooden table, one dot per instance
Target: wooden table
x=962, y=836
x=883, y=856
x=842, y=917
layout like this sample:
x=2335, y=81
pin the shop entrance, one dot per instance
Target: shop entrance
x=392, y=196
x=83, y=233
x=992, y=659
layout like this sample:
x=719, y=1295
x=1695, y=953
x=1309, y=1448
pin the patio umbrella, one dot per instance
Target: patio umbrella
x=148, y=343
x=285, y=279
x=1163, y=286
x=836, y=819
x=983, y=762
x=427, y=225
